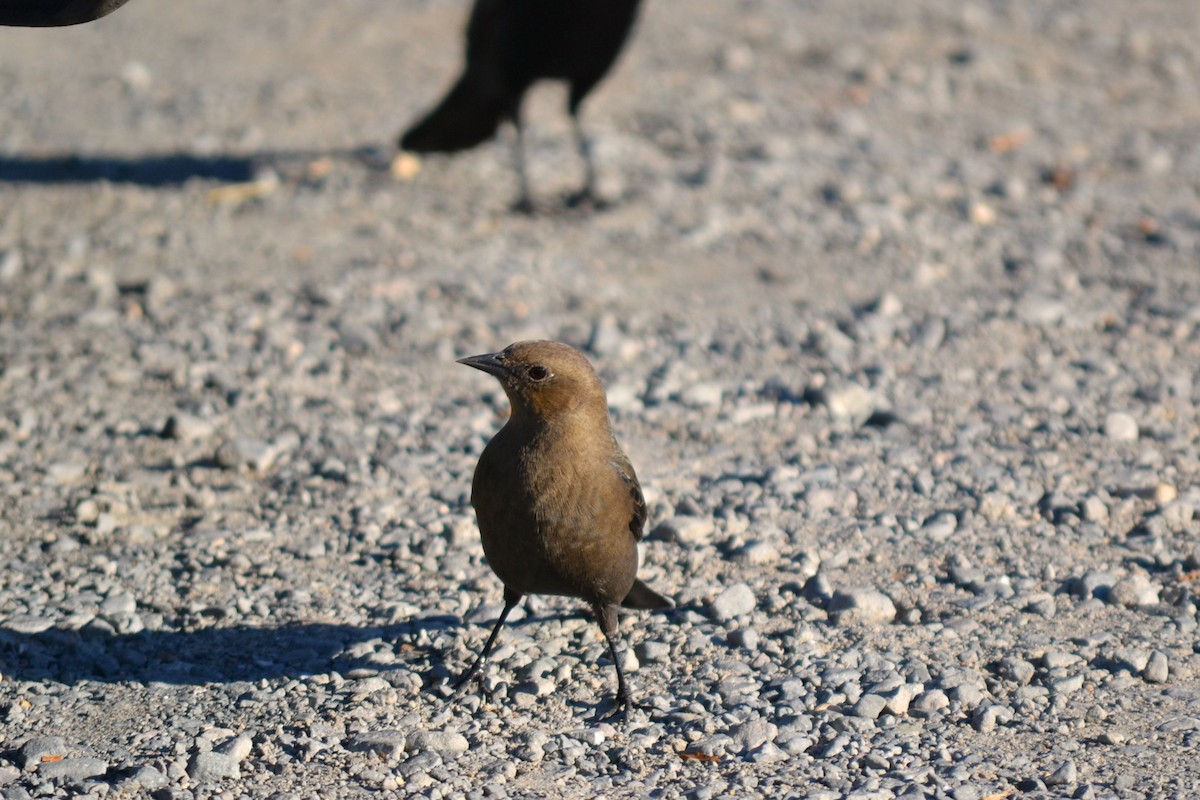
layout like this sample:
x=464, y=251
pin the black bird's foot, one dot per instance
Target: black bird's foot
x=523, y=205
x=459, y=687
x=622, y=711
x=586, y=199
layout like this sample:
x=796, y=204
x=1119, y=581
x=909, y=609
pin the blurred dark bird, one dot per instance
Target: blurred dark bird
x=559, y=506
x=54, y=13
x=511, y=44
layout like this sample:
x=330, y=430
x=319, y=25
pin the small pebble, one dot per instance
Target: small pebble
x=73, y=769
x=1133, y=591
x=388, y=744
x=1120, y=427
x=684, y=530
x=734, y=602
x=204, y=767
x=1064, y=775
x=1156, y=670
x=861, y=606
x=929, y=703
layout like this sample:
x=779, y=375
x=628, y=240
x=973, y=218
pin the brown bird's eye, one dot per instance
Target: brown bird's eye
x=538, y=373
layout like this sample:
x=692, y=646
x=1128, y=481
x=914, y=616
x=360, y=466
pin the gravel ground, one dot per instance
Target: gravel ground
x=898, y=306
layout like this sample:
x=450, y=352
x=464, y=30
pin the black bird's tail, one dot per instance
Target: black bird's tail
x=642, y=596
x=469, y=115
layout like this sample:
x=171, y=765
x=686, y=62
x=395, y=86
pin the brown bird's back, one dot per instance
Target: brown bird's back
x=559, y=506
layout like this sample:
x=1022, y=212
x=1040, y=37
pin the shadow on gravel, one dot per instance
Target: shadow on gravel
x=170, y=169
x=210, y=655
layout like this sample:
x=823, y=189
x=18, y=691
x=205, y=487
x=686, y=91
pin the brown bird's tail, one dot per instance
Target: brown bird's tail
x=469, y=115
x=642, y=596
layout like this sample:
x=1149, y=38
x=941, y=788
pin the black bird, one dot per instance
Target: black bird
x=511, y=44
x=54, y=13
x=559, y=506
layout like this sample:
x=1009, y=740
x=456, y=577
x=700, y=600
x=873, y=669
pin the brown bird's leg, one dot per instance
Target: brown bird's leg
x=607, y=617
x=524, y=204
x=510, y=600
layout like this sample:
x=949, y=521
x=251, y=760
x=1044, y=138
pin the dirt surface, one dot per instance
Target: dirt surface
x=898, y=307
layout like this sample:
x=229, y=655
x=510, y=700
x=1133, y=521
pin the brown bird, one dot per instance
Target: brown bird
x=559, y=506
x=512, y=44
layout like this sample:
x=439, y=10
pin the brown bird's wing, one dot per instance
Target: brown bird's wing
x=642, y=596
x=624, y=470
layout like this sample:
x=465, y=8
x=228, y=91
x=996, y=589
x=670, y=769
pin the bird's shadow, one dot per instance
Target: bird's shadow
x=214, y=655
x=174, y=169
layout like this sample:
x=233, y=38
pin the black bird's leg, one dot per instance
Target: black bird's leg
x=587, y=194
x=510, y=600
x=524, y=204
x=607, y=617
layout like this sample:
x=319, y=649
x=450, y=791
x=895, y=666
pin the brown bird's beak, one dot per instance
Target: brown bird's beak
x=488, y=362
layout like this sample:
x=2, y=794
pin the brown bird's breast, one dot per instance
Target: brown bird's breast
x=554, y=515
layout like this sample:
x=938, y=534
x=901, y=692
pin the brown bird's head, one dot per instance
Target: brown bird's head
x=544, y=380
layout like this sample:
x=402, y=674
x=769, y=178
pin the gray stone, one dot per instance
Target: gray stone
x=685, y=529
x=187, y=428
x=702, y=395
x=1156, y=670
x=767, y=753
x=1094, y=510
x=1067, y=685
x=28, y=624
x=757, y=553
x=73, y=769
x=205, y=767
x=1017, y=669
x=1133, y=659
x=861, y=606
x=940, y=526
x=118, y=603
x=237, y=748
x=65, y=473
x=420, y=763
x=147, y=777
x=1057, y=659
x=33, y=750
x=1065, y=775
x=901, y=698
x=650, y=652
x=966, y=695
x=869, y=706
x=929, y=703
x=1133, y=590
x=11, y=265
x=1120, y=427
x=442, y=742
x=753, y=734
x=734, y=602
x=253, y=455
x=849, y=402
x=985, y=718
x=744, y=637
x=387, y=743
